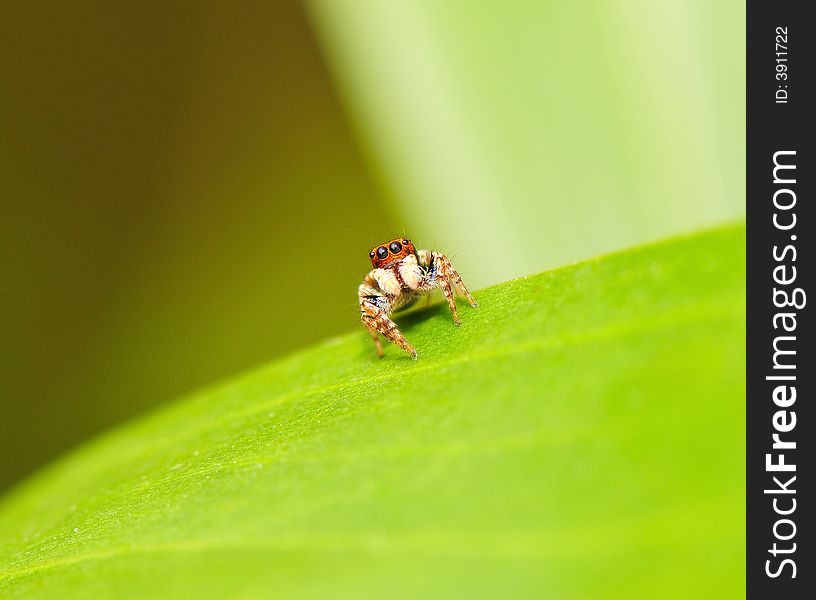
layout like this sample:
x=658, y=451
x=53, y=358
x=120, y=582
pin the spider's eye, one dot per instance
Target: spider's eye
x=406, y=242
x=382, y=252
x=371, y=254
x=396, y=247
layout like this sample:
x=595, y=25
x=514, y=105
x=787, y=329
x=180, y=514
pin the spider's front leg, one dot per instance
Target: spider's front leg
x=448, y=277
x=376, y=320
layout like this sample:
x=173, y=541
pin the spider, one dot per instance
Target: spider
x=400, y=275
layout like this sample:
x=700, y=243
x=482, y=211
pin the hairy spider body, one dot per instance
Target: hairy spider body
x=400, y=275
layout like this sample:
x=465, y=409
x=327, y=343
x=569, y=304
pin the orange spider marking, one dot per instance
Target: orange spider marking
x=390, y=252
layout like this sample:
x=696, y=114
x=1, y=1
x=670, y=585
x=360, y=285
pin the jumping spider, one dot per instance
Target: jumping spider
x=400, y=275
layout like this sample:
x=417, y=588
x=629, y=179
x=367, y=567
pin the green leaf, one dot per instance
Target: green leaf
x=579, y=436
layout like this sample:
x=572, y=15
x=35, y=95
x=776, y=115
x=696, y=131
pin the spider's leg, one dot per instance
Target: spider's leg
x=377, y=321
x=446, y=270
x=450, y=297
x=375, y=337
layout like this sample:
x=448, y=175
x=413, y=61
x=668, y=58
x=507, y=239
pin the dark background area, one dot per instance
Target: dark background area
x=182, y=198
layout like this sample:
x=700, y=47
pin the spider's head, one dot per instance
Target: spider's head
x=390, y=252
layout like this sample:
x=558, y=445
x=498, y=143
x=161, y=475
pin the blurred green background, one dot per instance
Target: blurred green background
x=190, y=189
